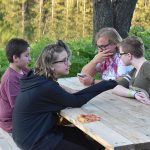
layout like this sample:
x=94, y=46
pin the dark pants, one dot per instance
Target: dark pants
x=74, y=139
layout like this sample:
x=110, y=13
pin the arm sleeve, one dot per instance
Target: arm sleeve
x=12, y=94
x=61, y=97
x=126, y=79
x=147, y=71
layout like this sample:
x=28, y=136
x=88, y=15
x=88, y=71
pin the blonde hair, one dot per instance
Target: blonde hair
x=48, y=55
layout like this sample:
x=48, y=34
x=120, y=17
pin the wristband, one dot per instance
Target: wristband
x=93, y=82
x=135, y=93
x=131, y=93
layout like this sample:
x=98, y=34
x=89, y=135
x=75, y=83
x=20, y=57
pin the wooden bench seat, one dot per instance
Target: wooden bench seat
x=6, y=141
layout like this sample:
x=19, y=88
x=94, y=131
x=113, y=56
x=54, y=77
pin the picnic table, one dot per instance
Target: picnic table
x=124, y=123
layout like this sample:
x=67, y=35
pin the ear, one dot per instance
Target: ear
x=53, y=69
x=129, y=55
x=15, y=59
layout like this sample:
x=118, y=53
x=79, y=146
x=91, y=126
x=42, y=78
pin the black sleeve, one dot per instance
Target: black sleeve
x=61, y=97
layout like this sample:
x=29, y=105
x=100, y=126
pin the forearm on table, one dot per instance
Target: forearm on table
x=90, y=68
x=122, y=91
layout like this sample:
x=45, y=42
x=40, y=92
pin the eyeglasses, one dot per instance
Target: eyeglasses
x=120, y=54
x=103, y=46
x=65, y=61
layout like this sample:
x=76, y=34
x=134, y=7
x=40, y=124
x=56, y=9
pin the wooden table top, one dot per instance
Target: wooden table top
x=124, y=124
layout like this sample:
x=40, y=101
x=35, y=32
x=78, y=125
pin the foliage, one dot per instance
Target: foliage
x=3, y=62
x=145, y=36
x=141, y=15
x=37, y=47
x=82, y=50
x=143, y=33
x=33, y=19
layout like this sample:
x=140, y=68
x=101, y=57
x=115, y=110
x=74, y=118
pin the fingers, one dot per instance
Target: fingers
x=105, y=54
x=102, y=56
x=86, y=80
x=142, y=97
x=143, y=100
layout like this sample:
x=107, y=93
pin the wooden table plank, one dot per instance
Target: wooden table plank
x=125, y=123
x=94, y=132
x=72, y=82
x=119, y=109
x=120, y=127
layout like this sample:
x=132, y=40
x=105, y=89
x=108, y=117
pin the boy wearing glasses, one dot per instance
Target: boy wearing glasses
x=106, y=61
x=136, y=84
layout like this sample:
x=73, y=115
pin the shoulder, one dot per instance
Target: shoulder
x=52, y=87
x=146, y=68
x=8, y=78
x=7, y=74
x=146, y=65
x=48, y=83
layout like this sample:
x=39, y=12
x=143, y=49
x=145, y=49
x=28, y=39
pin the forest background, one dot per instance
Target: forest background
x=43, y=21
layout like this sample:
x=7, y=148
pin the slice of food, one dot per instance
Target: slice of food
x=85, y=118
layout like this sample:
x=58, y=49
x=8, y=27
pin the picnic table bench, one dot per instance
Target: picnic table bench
x=6, y=141
x=124, y=124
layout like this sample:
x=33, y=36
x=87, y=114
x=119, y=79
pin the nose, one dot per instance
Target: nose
x=29, y=58
x=69, y=63
x=99, y=50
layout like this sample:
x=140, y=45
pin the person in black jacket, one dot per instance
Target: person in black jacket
x=41, y=98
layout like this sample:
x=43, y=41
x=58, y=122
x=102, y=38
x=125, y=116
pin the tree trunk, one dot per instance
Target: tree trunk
x=52, y=13
x=102, y=15
x=23, y=17
x=83, y=26
x=113, y=13
x=67, y=17
x=122, y=15
x=40, y=16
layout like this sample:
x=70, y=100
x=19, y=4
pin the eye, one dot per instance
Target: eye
x=27, y=55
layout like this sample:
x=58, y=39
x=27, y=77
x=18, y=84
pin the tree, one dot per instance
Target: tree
x=113, y=13
x=141, y=15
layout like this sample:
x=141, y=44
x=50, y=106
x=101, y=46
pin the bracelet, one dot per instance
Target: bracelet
x=135, y=93
x=93, y=82
x=131, y=93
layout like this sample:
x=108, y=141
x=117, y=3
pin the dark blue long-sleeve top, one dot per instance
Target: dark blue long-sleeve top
x=36, y=106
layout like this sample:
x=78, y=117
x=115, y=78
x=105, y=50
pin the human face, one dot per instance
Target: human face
x=104, y=44
x=22, y=61
x=125, y=57
x=62, y=64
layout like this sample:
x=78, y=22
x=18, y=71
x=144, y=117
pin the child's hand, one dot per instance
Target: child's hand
x=142, y=97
